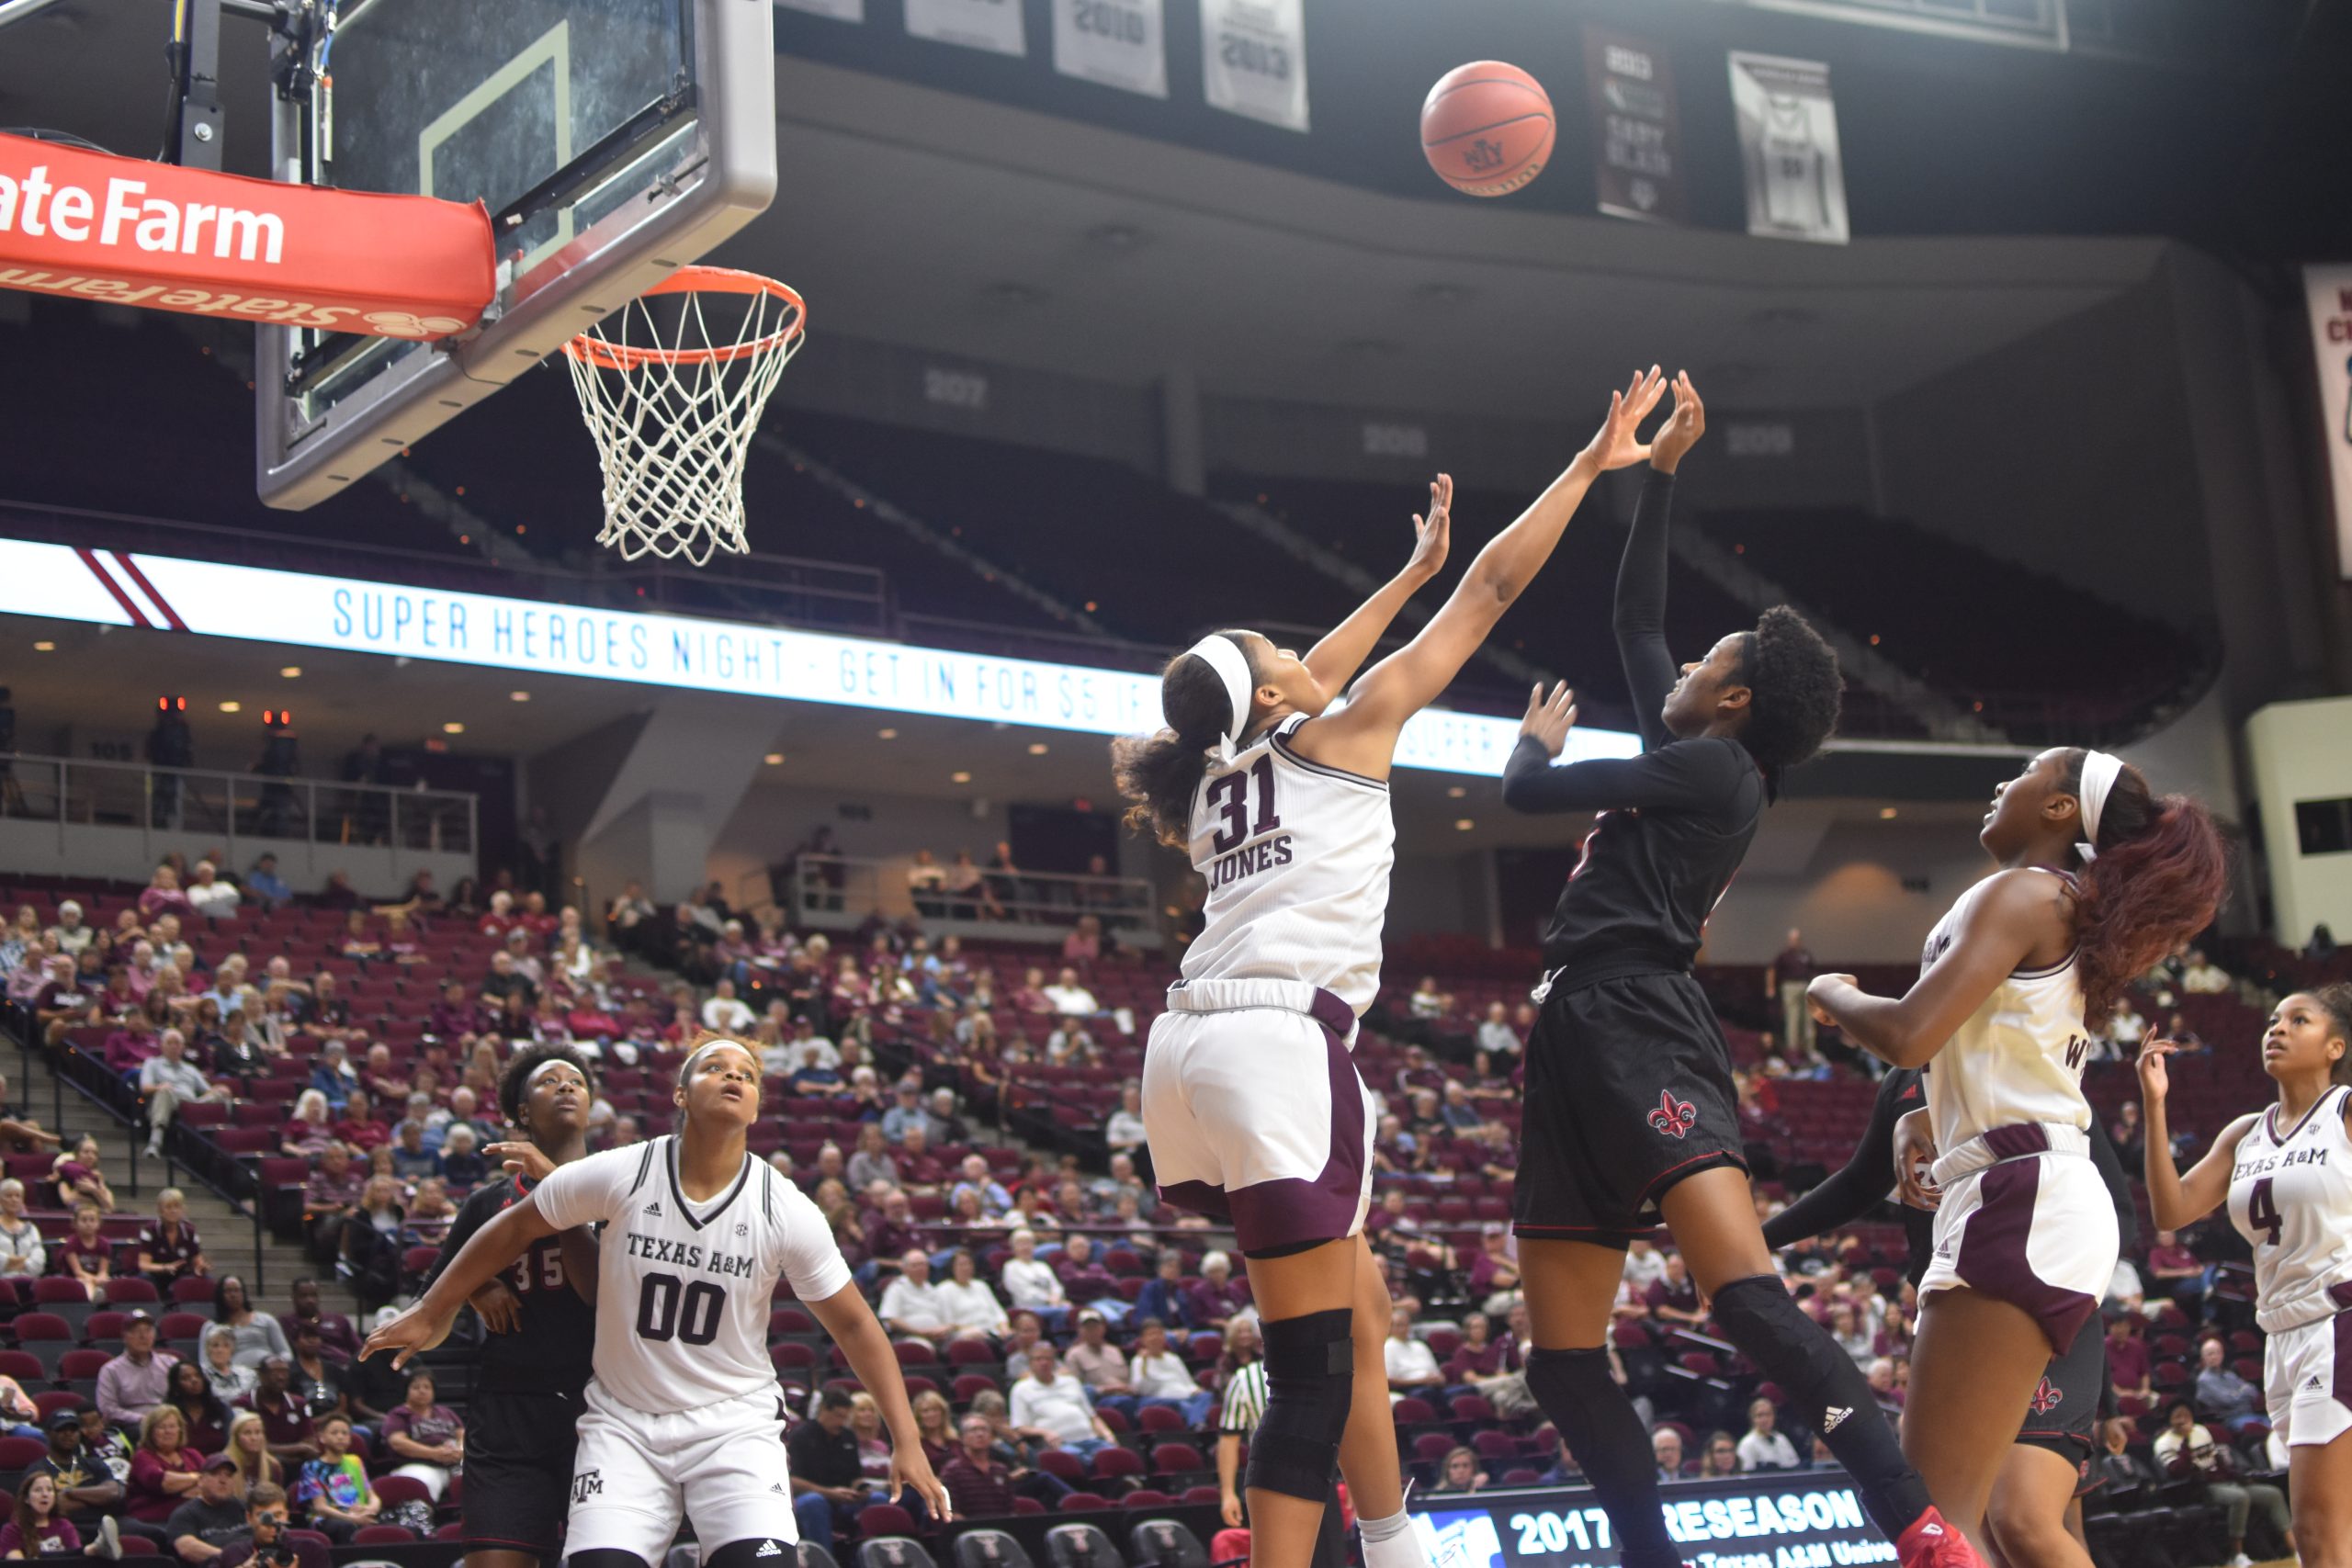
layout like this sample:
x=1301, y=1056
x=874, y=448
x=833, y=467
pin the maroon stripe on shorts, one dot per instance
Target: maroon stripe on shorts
x=1993, y=1252
x=1294, y=1213
x=2342, y=1330
x=2017, y=1140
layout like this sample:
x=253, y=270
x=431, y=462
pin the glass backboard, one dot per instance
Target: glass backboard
x=613, y=141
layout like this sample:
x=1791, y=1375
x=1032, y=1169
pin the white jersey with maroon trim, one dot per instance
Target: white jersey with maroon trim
x=1297, y=856
x=682, y=1288
x=2290, y=1196
x=2020, y=1057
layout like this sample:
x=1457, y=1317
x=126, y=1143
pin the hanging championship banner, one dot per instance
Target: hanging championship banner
x=992, y=24
x=1637, y=167
x=1119, y=43
x=2329, y=289
x=840, y=10
x=1787, y=141
x=1253, y=59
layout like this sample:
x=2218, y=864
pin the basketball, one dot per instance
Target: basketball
x=1487, y=128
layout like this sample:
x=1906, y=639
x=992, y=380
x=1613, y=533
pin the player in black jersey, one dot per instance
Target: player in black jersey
x=523, y=1422
x=2031, y=1527
x=1630, y=1114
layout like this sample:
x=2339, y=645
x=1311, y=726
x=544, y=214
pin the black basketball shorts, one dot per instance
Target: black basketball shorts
x=2063, y=1415
x=1628, y=1091
x=518, y=1471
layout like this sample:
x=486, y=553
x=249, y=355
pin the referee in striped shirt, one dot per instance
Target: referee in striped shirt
x=1244, y=1408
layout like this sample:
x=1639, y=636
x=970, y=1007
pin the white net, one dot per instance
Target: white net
x=672, y=397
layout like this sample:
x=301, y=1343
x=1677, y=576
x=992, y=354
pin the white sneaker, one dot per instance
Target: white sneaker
x=109, y=1541
x=2240, y=1560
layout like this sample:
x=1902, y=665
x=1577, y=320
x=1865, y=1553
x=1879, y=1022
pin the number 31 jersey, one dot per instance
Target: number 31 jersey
x=682, y=1288
x=1297, y=856
x=2290, y=1196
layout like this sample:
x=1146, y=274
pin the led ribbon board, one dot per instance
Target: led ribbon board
x=742, y=659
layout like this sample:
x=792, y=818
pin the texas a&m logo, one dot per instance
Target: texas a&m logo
x=2046, y=1398
x=1674, y=1117
x=586, y=1484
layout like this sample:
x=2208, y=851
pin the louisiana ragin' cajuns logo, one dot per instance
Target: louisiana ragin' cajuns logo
x=1674, y=1117
x=2046, y=1398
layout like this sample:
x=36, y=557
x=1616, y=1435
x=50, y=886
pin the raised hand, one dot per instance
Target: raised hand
x=1434, y=533
x=1618, y=444
x=1682, y=428
x=496, y=1304
x=1549, y=719
x=2156, y=1079
x=522, y=1158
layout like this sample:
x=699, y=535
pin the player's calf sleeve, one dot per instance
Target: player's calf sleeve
x=1310, y=1380
x=1604, y=1434
x=1830, y=1393
x=756, y=1552
x=1390, y=1543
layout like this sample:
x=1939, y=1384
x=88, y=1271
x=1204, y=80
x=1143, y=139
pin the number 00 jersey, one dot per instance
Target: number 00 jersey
x=549, y=1346
x=2290, y=1195
x=682, y=1288
x=1297, y=856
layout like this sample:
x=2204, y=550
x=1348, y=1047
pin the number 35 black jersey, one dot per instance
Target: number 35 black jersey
x=682, y=1288
x=552, y=1341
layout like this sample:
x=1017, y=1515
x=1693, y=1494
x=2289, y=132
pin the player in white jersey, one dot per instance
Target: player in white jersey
x=1251, y=1098
x=684, y=1419
x=2014, y=979
x=2286, y=1174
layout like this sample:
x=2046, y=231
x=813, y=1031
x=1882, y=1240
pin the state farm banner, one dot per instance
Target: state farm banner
x=1119, y=43
x=2329, y=289
x=1788, y=142
x=1253, y=59
x=126, y=231
x=1637, y=156
x=992, y=24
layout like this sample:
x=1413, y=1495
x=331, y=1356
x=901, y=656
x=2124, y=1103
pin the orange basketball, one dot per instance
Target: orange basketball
x=1487, y=128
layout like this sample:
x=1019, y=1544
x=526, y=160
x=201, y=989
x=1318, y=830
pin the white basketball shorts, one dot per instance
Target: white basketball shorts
x=638, y=1474
x=2037, y=1231
x=1255, y=1113
x=2307, y=1381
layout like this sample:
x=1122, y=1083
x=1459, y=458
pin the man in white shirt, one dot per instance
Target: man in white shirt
x=807, y=1048
x=1124, y=1129
x=1412, y=1365
x=1158, y=1376
x=209, y=894
x=911, y=1307
x=1070, y=998
x=169, y=1080
x=724, y=1013
x=1030, y=1281
x=1496, y=1036
x=1645, y=1265
x=1048, y=1405
x=2202, y=976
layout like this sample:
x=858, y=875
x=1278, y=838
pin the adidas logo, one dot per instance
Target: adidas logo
x=654, y=1209
x=778, y=1488
x=769, y=1548
x=1832, y=1416
x=2312, y=1382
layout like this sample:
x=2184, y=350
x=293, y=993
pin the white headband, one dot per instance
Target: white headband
x=1232, y=667
x=2100, y=774
x=686, y=1067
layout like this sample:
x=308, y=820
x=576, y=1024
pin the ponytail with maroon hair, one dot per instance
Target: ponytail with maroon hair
x=2160, y=873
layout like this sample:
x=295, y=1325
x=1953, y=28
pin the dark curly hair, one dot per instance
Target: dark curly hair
x=1794, y=690
x=2335, y=1000
x=516, y=1078
x=1158, y=773
x=2161, y=872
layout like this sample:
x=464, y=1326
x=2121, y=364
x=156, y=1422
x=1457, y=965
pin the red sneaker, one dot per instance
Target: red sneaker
x=1931, y=1543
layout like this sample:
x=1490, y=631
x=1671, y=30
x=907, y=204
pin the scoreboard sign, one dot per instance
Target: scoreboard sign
x=1808, y=1520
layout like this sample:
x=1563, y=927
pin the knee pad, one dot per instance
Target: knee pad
x=1310, y=1380
x=605, y=1557
x=1758, y=1314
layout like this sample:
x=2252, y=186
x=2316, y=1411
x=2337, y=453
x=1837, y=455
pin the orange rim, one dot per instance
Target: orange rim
x=609, y=355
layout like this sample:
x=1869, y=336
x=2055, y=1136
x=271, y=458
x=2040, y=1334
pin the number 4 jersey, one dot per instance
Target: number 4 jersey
x=2290, y=1195
x=1297, y=856
x=682, y=1288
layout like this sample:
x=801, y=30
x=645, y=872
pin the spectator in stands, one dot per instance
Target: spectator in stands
x=310, y=1128
x=1494, y=1272
x=263, y=883
x=330, y=1197
x=65, y=1000
x=1069, y=997
x=977, y=1484
x=210, y=897
x=164, y=1469
x=2173, y=1274
x=254, y=1334
x=2322, y=948
x=79, y=1178
x=163, y=894
x=2202, y=976
x=1070, y=1045
x=334, y=1077
x=1217, y=1296
x=872, y=1162
x=1050, y=1407
x=2129, y=1365
x=1167, y=1298
x=89, y=1489
x=1458, y=1473
x=22, y=1254
x=2184, y=1450
x=976, y=1179
x=332, y=1491
x=206, y=1413
x=248, y=1444
x=461, y=1167
x=335, y=1333
x=1495, y=1035
x=909, y=1308
x=38, y=1527
x=1857, y=1341
x=168, y=1249
x=2223, y=1396
x=357, y=1126
x=1031, y=1283
x=371, y=1241
x=205, y=1508
x=1123, y=1129
x=265, y=1540
x=168, y=1080
x=827, y=1478
x=1665, y=1448
x=71, y=935
x=316, y=1381
x=970, y=1307
x=412, y=1161
x=724, y=1013
x=907, y=1111
x=228, y=1381
x=430, y=1213
x=2117, y=1463
x=1764, y=1446
x=84, y=1256
x=1412, y=1365
x=1099, y=1368
x=428, y=1438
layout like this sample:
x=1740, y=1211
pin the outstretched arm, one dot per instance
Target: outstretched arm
x=2177, y=1201
x=1677, y=778
x=1335, y=661
x=493, y=1246
x=1640, y=615
x=846, y=1316
x=1361, y=738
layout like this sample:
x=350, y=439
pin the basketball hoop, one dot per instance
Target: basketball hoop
x=672, y=400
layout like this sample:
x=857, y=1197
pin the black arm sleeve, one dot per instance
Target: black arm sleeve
x=1847, y=1193
x=1701, y=776
x=2118, y=1188
x=1641, y=607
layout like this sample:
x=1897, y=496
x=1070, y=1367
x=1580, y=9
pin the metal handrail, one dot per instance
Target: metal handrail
x=1058, y=898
